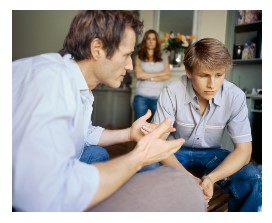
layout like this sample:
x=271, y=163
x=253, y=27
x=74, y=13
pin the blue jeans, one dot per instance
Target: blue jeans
x=93, y=154
x=142, y=104
x=244, y=186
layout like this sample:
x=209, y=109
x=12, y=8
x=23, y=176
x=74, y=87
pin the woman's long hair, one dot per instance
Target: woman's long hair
x=142, y=53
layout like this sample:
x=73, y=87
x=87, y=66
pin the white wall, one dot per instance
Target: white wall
x=212, y=23
x=148, y=17
x=35, y=32
x=39, y=31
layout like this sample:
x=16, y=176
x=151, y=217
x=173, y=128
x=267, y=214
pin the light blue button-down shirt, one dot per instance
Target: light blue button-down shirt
x=228, y=108
x=51, y=124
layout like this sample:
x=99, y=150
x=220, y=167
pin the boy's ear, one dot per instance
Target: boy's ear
x=96, y=48
x=188, y=73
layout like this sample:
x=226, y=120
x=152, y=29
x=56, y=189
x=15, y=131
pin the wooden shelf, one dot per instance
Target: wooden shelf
x=254, y=96
x=249, y=27
x=249, y=61
x=255, y=110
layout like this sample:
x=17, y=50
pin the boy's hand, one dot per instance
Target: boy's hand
x=207, y=187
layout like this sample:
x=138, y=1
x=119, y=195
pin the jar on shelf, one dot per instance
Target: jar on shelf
x=237, y=51
x=241, y=17
x=252, y=16
x=249, y=51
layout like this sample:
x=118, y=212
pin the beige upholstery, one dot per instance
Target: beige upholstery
x=160, y=189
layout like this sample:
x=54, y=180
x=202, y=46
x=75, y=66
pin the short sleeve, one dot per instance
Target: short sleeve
x=166, y=106
x=238, y=125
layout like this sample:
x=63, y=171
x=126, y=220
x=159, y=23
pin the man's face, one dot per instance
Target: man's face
x=111, y=72
x=206, y=82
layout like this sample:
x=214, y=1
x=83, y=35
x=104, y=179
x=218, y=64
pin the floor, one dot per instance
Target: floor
x=217, y=204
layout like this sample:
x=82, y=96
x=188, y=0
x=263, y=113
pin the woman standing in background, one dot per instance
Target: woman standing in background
x=151, y=69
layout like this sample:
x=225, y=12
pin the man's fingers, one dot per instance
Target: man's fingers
x=147, y=114
x=162, y=128
x=175, y=144
x=144, y=131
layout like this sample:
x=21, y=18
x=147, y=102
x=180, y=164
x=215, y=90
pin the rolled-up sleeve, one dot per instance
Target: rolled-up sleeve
x=94, y=134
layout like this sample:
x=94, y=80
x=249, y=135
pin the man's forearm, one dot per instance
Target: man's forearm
x=113, y=174
x=111, y=137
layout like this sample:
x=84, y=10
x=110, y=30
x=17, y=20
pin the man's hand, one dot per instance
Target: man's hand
x=207, y=187
x=151, y=148
x=141, y=127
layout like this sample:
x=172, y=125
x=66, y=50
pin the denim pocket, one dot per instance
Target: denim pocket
x=213, y=163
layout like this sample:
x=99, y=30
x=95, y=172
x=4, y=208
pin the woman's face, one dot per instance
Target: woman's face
x=151, y=41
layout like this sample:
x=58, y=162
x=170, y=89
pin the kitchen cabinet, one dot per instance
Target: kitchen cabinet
x=111, y=108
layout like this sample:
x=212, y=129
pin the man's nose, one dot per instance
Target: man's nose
x=129, y=65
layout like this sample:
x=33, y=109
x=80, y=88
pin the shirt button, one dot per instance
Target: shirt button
x=197, y=138
x=196, y=108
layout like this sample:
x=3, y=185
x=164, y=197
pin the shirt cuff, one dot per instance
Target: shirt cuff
x=94, y=135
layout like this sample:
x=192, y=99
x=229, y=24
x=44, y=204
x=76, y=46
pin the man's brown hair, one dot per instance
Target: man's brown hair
x=106, y=25
x=208, y=53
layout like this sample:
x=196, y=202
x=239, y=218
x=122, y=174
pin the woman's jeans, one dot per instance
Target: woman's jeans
x=244, y=187
x=142, y=104
x=93, y=154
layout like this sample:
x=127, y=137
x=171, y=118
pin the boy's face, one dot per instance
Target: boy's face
x=206, y=82
x=112, y=71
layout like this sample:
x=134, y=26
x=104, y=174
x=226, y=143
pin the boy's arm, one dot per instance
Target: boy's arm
x=238, y=158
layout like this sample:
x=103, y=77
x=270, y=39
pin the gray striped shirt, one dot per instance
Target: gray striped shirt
x=228, y=108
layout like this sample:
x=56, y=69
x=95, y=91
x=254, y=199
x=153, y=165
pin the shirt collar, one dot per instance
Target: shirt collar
x=218, y=97
x=77, y=74
x=190, y=95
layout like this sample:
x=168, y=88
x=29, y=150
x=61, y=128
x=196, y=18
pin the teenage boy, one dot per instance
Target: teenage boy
x=201, y=105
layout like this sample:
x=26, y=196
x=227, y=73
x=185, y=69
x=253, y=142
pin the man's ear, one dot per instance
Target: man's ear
x=96, y=48
x=188, y=73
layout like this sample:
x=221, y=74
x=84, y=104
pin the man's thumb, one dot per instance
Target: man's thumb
x=147, y=114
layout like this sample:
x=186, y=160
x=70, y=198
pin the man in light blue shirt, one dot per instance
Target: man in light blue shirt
x=52, y=107
x=201, y=105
